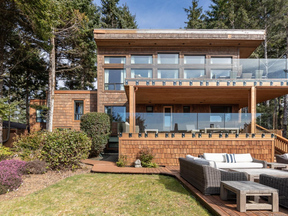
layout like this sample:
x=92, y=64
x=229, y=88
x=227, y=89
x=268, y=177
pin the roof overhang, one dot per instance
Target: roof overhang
x=246, y=40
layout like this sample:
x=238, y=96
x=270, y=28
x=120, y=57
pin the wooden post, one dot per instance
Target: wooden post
x=252, y=108
x=131, y=109
x=240, y=115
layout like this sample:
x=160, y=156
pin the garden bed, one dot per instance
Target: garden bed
x=36, y=182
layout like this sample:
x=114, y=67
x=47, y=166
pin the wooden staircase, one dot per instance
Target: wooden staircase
x=281, y=143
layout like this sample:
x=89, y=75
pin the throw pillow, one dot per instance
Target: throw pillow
x=230, y=158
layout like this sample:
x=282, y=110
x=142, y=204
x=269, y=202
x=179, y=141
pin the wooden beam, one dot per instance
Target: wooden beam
x=132, y=108
x=252, y=108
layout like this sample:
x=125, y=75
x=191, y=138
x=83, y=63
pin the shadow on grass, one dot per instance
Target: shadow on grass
x=172, y=184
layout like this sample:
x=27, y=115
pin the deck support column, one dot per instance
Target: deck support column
x=252, y=108
x=132, y=109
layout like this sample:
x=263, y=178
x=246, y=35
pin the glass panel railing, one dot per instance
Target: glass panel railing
x=197, y=68
x=192, y=122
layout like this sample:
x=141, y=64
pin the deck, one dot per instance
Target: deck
x=213, y=203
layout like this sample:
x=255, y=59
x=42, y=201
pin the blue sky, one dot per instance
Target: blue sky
x=160, y=14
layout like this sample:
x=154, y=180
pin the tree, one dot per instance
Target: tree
x=195, y=16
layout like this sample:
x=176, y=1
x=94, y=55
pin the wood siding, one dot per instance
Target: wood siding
x=168, y=150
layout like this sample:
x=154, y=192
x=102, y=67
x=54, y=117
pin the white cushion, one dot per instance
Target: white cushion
x=126, y=123
x=190, y=157
x=285, y=156
x=217, y=157
x=204, y=162
x=220, y=165
x=240, y=158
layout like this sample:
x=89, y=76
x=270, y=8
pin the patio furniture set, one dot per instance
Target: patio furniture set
x=221, y=173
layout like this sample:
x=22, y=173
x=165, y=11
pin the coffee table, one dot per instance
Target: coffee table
x=253, y=174
x=248, y=188
x=274, y=165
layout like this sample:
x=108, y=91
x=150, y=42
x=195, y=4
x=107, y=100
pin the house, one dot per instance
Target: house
x=179, y=92
x=15, y=129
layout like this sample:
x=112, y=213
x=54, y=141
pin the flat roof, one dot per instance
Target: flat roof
x=247, y=39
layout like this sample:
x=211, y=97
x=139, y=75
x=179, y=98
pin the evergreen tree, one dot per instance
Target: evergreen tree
x=195, y=16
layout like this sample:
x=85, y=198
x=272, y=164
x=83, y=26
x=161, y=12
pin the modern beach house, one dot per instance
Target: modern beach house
x=178, y=92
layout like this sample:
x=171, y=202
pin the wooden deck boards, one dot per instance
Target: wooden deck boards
x=213, y=203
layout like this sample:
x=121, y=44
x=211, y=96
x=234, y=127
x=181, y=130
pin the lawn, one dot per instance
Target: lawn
x=108, y=194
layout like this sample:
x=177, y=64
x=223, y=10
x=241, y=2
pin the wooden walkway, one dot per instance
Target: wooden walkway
x=213, y=203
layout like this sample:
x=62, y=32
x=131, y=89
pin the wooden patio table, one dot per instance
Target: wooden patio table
x=253, y=174
x=275, y=165
x=248, y=188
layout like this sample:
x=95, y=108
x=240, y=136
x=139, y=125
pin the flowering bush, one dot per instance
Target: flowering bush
x=5, y=153
x=10, y=174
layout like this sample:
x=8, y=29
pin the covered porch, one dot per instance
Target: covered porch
x=197, y=109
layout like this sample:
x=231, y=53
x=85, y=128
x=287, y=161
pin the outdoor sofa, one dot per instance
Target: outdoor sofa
x=206, y=178
x=233, y=161
x=278, y=183
x=282, y=158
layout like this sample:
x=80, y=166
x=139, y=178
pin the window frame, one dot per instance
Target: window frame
x=186, y=55
x=73, y=108
x=163, y=53
x=107, y=84
x=124, y=62
x=142, y=55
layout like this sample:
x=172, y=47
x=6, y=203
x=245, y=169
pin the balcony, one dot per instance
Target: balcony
x=196, y=70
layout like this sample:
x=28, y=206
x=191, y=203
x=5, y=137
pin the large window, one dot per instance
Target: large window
x=167, y=73
x=168, y=58
x=141, y=73
x=221, y=60
x=114, y=60
x=193, y=73
x=40, y=116
x=114, y=79
x=141, y=59
x=220, y=73
x=78, y=109
x=194, y=59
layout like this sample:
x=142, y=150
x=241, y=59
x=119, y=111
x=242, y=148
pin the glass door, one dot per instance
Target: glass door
x=167, y=112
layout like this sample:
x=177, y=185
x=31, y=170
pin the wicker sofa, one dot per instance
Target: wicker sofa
x=206, y=178
x=282, y=158
x=278, y=183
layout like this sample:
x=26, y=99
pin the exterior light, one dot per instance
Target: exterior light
x=130, y=135
x=210, y=135
x=120, y=134
x=255, y=83
x=156, y=135
x=244, y=83
x=220, y=135
x=180, y=83
x=199, y=135
x=207, y=83
x=174, y=83
x=217, y=83
x=139, y=135
x=137, y=82
x=234, y=83
x=173, y=135
x=271, y=83
x=166, y=135
x=253, y=135
x=183, y=135
x=247, y=135
x=193, y=135
x=236, y=135
x=263, y=135
x=191, y=83
x=153, y=83
x=164, y=83
x=146, y=135
x=147, y=82
x=282, y=83
x=226, y=135
x=228, y=83
x=126, y=82
x=201, y=83
x=261, y=83
x=272, y=135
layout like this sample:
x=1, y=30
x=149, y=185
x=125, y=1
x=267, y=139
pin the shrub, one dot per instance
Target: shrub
x=63, y=149
x=29, y=146
x=5, y=153
x=146, y=157
x=10, y=174
x=122, y=161
x=97, y=127
x=35, y=167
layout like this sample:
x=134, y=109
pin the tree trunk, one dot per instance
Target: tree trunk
x=27, y=108
x=51, y=86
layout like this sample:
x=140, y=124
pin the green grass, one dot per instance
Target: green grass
x=108, y=194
